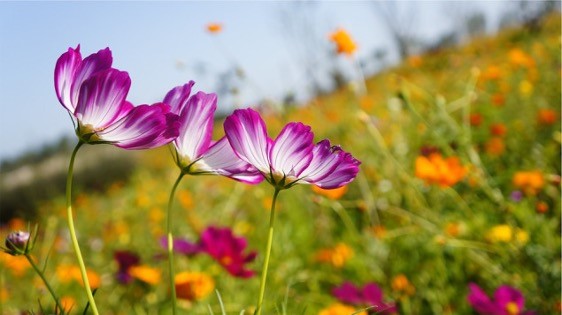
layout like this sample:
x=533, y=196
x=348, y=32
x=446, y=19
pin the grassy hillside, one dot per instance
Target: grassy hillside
x=459, y=184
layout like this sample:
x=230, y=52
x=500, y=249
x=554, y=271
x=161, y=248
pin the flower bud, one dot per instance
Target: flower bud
x=16, y=242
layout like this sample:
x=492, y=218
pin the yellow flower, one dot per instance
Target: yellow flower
x=336, y=256
x=500, y=233
x=145, y=274
x=530, y=182
x=333, y=194
x=344, y=42
x=193, y=285
x=340, y=309
x=525, y=88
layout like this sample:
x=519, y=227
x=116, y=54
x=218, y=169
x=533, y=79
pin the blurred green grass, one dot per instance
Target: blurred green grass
x=422, y=243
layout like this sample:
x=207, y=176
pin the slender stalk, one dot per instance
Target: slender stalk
x=73, y=231
x=267, y=251
x=171, y=243
x=40, y=273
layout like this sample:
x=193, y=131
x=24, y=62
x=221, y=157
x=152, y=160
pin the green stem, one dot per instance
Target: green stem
x=267, y=251
x=40, y=273
x=171, y=243
x=73, y=231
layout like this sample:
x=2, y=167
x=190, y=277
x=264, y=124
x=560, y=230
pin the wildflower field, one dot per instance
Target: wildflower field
x=455, y=208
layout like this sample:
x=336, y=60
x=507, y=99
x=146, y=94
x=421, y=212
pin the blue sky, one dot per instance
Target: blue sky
x=160, y=44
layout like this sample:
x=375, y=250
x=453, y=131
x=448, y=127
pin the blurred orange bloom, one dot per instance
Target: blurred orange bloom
x=333, y=194
x=340, y=309
x=17, y=264
x=475, y=119
x=498, y=129
x=530, y=182
x=498, y=99
x=336, y=256
x=70, y=273
x=415, y=61
x=492, y=73
x=344, y=42
x=193, y=285
x=495, y=146
x=519, y=58
x=67, y=302
x=214, y=28
x=145, y=274
x=401, y=283
x=547, y=116
x=542, y=207
x=436, y=170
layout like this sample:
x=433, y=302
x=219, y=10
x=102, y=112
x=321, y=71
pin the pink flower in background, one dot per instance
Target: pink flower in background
x=292, y=157
x=507, y=301
x=196, y=153
x=370, y=296
x=222, y=245
x=227, y=249
x=95, y=94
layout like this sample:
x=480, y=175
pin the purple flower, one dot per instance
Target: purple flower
x=370, y=295
x=196, y=153
x=507, y=301
x=227, y=250
x=125, y=260
x=292, y=157
x=95, y=94
x=181, y=246
x=516, y=195
x=17, y=243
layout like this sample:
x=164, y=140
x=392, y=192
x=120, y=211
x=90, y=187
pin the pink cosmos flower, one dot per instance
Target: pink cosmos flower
x=292, y=157
x=507, y=301
x=196, y=153
x=370, y=295
x=95, y=94
x=222, y=245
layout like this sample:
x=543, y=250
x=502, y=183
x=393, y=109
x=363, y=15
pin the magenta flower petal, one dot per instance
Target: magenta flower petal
x=480, y=301
x=143, y=127
x=65, y=70
x=196, y=126
x=343, y=174
x=227, y=250
x=291, y=151
x=324, y=162
x=506, y=294
x=181, y=246
x=348, y=293
x=372, y=294
x=91, y=65
x=246, y=132
x=102, y=99
x=177, y=97
x=221, y=159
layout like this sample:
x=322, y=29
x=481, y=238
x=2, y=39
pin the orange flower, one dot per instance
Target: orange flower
x=436, y=170
x=498, y=129
x=69, y=273
x=521, y=59
x=333, y=194
x=495, y=146
x=498, y=99
x=475, y=119
x=542, y=207
x=492, y=73
x=214, y=28
x=145, y=274
x=17, y=264
x=401, y=283
x=336, y=256
x=67, y=302
x=340, y=309
x=415, y=61
x=529, y=182
x=344, y=42
x=193, y=285
x=546, y=116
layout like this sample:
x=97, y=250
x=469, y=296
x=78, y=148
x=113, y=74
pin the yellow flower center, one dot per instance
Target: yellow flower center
x=512, y=308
